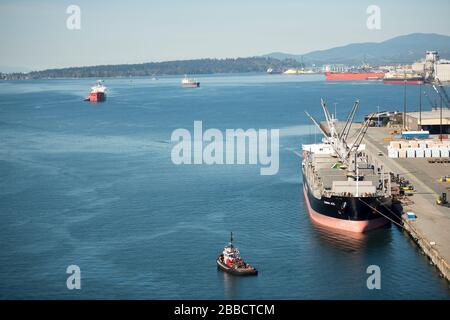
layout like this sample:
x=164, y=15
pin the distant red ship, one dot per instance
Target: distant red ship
x=353, y=76
x=98, y=93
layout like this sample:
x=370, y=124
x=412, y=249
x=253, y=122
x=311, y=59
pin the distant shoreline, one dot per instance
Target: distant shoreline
x=158, y=69
x=149, y=77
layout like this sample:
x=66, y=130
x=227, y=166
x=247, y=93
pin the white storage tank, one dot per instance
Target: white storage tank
x=392, y=153
x=402, y=153
x=435, y=153
x=442, y=71
x=444, y=152
x=420, y=153
x=411, y=153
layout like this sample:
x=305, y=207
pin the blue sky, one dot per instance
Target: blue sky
x=33, y=34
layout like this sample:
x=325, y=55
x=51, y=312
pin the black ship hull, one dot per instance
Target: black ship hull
x=355, y=214
x=235, y=271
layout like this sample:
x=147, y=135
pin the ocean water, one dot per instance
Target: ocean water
x=93, y=185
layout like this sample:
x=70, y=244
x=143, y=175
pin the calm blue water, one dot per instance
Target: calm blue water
x=94, y=185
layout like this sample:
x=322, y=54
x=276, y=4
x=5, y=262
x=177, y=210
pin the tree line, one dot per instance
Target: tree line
x=153, y=69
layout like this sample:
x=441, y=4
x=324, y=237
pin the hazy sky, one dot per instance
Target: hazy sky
x=33, y=34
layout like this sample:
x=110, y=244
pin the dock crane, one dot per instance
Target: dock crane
x=440, y=90
x=339, y=141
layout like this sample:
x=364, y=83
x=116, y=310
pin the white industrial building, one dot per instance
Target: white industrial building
x=432, y=67
x=442, y=70
x=429, y=120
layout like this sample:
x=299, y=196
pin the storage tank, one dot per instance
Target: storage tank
x=411, y=153
x=444, y=152
x=435, y=153
x=420, y=152
x=402, y=153
x=392, y=153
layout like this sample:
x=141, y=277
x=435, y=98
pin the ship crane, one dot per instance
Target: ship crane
x=345, y=131
x=360, y=135
x=328, y=138
x=339, y=141
x=441, y=92
x=428, y=98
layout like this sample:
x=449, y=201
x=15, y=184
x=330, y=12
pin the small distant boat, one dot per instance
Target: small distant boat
x=98, y=93
x=231, y=261
x=189, y=83
x=272, y=71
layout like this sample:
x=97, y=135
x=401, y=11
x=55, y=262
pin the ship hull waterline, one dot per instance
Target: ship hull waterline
x=403, y=81
x=191, y=85
x=237, y=272
x=97, y=97
x=356, y=226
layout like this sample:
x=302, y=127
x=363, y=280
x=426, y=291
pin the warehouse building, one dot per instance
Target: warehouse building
x=429, y=120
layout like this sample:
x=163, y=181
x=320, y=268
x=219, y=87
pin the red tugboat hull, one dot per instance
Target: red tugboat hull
x=191, y=85
x=97, y=97
x=249, y=271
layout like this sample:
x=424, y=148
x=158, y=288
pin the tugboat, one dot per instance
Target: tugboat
x=98, y=93
x=189, y=82
x=231, y=261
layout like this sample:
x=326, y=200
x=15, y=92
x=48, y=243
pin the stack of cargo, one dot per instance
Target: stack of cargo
x=419, y=149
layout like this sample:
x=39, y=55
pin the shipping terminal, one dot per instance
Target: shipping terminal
x=399, y=176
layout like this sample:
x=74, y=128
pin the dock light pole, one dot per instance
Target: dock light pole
x=404, y=103
x=378, y=124
x=420, y=105
x=335, y=110
x=440, y=124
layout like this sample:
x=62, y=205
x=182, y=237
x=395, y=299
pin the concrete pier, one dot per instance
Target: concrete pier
x=431, y=228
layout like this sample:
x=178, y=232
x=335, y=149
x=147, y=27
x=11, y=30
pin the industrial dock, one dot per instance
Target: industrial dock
x=430, y=224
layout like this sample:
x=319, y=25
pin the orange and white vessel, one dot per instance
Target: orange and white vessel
x=98, y=92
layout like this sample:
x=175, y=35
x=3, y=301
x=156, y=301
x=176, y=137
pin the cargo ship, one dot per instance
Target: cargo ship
x=403, y=78
x=189, y=83
x=342, y=188
x=98, y=93
x=354, y=76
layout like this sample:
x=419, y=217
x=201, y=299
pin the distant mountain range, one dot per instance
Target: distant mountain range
x=402, y=49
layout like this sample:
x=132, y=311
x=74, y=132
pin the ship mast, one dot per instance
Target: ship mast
x=231, y=239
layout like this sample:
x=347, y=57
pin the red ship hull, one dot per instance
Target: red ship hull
x=353, y=76
x=97, y=96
